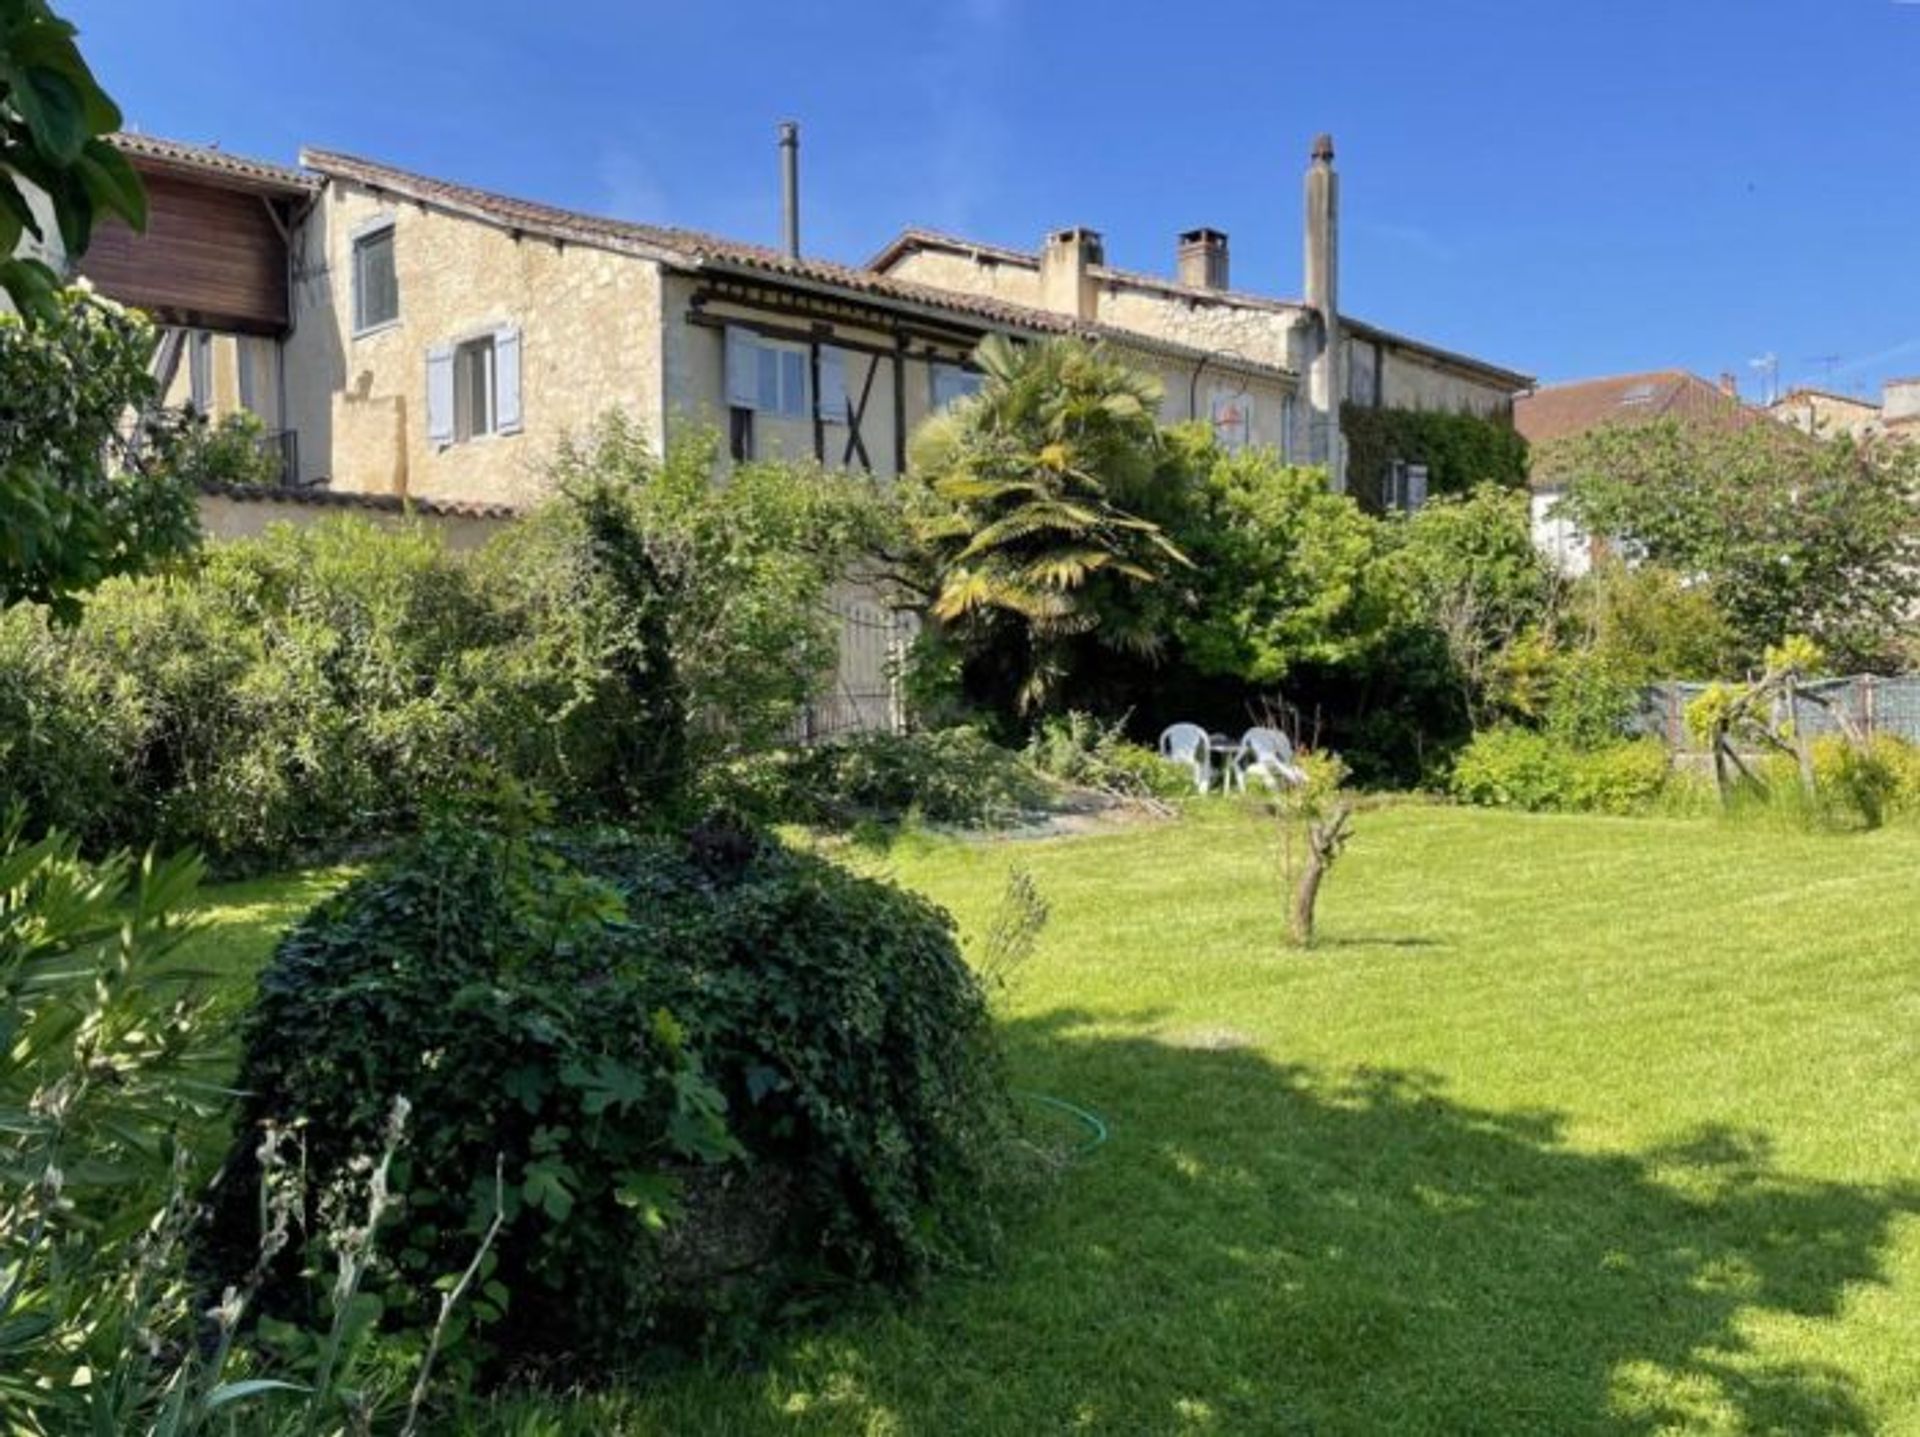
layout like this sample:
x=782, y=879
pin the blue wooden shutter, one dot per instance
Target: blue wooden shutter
x=440, y=395
x=506, y=380
x=743, y=383
x=833, y=384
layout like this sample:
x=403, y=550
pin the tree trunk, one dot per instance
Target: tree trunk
x=1324, y=841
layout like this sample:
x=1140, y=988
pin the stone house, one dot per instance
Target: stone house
x=1345, y=361
x=436, y=341
x=1831, y=415
x=410, y=342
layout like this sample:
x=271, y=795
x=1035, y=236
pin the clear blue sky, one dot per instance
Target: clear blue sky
x=1568, y=188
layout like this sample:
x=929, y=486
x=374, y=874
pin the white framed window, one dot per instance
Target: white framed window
x=473, y=376
x=767, y=376
x=948, y=382
x=473, y=387
x=1406, y=487
x=376, y=285
x=1230, y=411
x=200, y=371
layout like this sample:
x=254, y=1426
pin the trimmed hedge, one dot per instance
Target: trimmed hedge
x=1520, y=768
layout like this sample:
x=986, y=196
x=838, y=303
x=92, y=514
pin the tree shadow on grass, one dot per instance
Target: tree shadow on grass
x=1269, y=1248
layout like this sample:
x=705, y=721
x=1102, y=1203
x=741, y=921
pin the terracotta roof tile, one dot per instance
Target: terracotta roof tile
x=315, y=497
x=207, y=159
x=1555, y=411
x=694, y=250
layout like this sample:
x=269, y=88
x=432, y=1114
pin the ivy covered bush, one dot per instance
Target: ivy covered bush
x=721, y=1080
x=1461, y=451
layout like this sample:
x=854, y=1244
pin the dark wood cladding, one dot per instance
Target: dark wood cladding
x=212, y=258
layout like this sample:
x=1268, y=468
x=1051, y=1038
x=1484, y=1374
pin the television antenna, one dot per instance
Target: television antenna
x=1828, y=363
x=1768, y=367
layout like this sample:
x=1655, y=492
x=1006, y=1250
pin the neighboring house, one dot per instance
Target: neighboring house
x=1344, y=359
x=1830, y=415
x=1825, y=413
x=1557, y=412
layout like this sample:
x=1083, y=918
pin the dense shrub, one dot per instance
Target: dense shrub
x=721, y=1079
x=1512, y=767
x=320, y=685
x=1077, y=748
x=956, y=776
x=108, y=1056
x=750, y=563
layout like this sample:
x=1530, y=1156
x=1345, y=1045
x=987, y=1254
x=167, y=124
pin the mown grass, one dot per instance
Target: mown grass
x=1570, y=1125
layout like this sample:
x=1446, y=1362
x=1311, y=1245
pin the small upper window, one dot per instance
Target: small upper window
x=376, y=289
x=474, y=412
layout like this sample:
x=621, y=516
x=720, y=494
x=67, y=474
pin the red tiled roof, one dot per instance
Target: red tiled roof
x=911, y=239
x=694, y=250
x=1556, y=411
x=207, y=159
x=323, y=498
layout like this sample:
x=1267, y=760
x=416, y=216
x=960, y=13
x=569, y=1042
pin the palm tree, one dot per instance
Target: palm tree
x=1031, y=508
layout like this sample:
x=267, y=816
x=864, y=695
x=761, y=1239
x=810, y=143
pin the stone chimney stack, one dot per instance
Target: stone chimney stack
x=1067, y=285
x=1201, y=260
x=1323, y=298
x=1729, y=384
x=1900, y=400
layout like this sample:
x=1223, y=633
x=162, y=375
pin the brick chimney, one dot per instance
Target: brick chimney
x=1201, y=260
x=1066, y=284
x=1729, y=384
x=1323, y=298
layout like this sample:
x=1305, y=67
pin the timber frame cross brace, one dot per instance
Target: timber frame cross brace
x=856, y=412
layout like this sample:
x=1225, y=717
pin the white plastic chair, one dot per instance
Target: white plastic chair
x=1191, y=745
x=1268, y=754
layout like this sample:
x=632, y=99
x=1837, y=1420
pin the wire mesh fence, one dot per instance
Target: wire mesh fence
x=1876, y=705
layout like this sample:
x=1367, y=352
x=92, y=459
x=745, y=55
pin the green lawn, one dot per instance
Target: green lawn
x=1571, y=1125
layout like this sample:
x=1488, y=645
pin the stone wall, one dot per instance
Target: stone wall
x=591, y=340
x=224, y=518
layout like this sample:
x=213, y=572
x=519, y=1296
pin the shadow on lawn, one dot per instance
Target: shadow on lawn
x=1265, y=1248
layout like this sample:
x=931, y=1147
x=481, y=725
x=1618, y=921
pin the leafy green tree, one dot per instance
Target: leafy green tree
x=1465, y=568
x=1795, y=535
x=747, y=566
x=1281, y=571
x=54, y=119
x=81, y=499
x=1039, y=511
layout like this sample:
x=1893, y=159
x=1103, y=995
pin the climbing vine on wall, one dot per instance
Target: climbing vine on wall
x=1459, y=450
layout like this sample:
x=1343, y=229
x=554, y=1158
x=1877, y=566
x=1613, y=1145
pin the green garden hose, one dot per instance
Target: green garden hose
x=1095, y=1124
